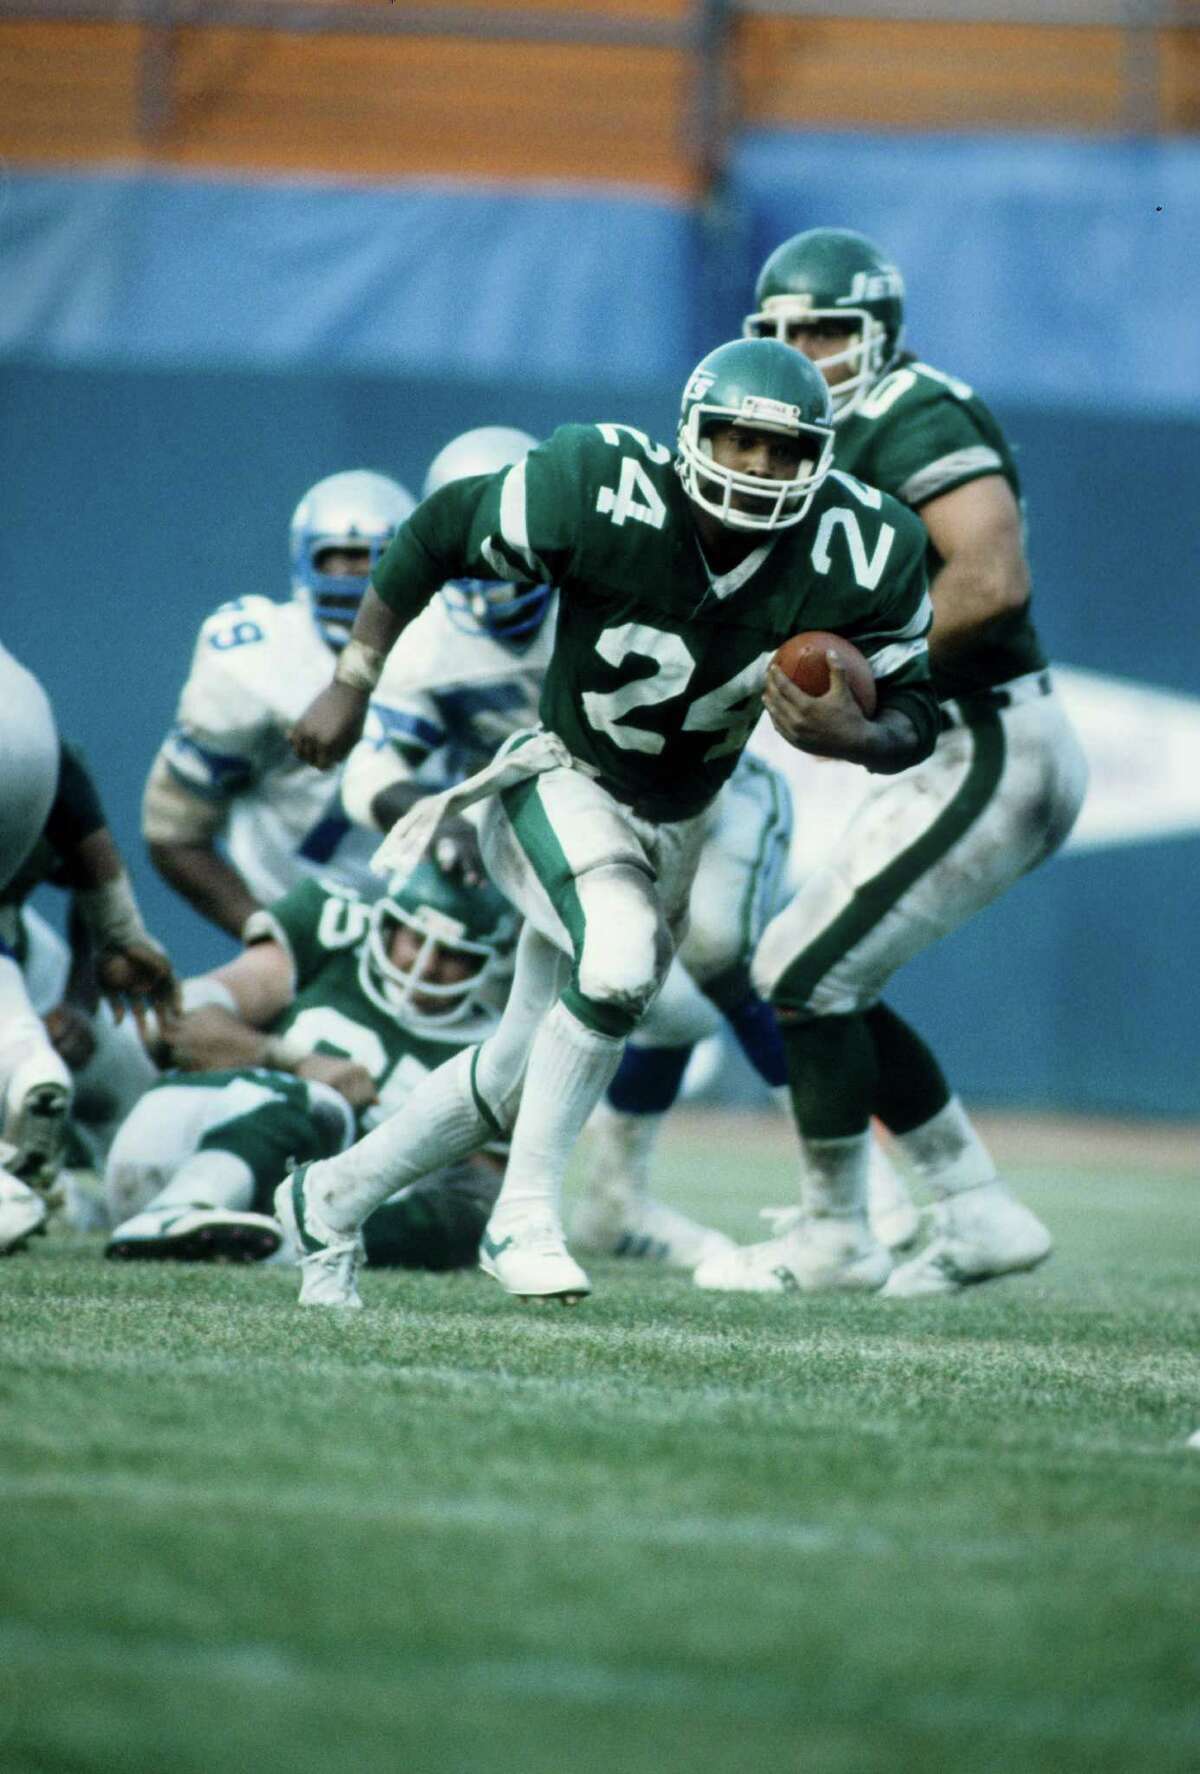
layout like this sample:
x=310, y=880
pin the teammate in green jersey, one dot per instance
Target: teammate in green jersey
x=679, y=575
x=330, y=1017
x=925, y=850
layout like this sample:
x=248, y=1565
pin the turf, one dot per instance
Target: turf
x=666, y=1530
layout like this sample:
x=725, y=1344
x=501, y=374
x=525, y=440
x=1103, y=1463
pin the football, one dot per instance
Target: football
x=803, y=660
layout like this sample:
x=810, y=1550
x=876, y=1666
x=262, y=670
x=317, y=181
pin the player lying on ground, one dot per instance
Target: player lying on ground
x=52, y=826
x=225, y=771
x=678, y=579
x=315, y=1033
x=997, y=796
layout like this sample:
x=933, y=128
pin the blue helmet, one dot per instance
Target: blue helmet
x=511, y=614
x=356, y=510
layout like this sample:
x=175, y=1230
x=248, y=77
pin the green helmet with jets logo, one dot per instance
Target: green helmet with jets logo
x=763, y=386
x=458, y=937
x=834, y=278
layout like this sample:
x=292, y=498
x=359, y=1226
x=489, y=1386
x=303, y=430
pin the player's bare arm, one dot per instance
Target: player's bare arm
x=834, y=726
x=202, y=876
x=976, y=529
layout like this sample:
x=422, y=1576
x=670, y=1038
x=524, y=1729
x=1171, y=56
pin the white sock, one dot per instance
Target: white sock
x=570, y=1068
x=439, y=1122
x=210, y=1179
x=948, y=1153
x=622, y=1147
x=834, y=1182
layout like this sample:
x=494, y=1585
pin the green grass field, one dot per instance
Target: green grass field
x=667, y=1530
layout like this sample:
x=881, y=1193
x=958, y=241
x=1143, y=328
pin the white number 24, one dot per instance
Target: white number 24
x=730, y=710
x=635, y=495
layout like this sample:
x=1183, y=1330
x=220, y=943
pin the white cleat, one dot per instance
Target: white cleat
x=329, y=1260
x=37, y=1104
x=977, y=1235
x=531, y=1261
x=894, y=1215
x=811, y=1256
x=1193, y=1441
x=22, y=1212
x=623, y=1224
x=196, y=1235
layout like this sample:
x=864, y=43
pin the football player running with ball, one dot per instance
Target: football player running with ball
x=468, y=677
x=998, y=795
x=679, y=575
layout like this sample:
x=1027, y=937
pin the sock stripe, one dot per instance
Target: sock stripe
x=480, y=1104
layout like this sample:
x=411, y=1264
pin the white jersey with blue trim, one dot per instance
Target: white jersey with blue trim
x=450, y=696
x=256, y=667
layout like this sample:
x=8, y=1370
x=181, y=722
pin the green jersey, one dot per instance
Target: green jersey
x=325, y=933
x=920, y=434
x=656, y=677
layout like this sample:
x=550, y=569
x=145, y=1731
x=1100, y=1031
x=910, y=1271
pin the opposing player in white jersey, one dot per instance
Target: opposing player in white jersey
x=47, y=805
x=470, y=676
x=226, y=771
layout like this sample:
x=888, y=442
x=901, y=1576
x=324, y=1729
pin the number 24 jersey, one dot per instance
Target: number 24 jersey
x=658, y=666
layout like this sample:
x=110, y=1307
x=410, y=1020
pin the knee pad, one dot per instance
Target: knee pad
x=626, y=947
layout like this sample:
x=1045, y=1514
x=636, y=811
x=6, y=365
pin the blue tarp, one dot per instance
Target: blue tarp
x=171, y=272
x=1049, y=272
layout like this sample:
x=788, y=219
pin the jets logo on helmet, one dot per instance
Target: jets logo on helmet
x=764, y=386
x=353, y=512
x=839, y=278
x=433, y=945
x=508, y=612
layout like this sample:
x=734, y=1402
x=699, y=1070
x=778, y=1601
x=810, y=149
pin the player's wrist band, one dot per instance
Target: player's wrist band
x=112, y=916
x=359, y=666
x=283, y=1053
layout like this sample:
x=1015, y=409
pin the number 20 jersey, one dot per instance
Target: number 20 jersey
x=658, y=666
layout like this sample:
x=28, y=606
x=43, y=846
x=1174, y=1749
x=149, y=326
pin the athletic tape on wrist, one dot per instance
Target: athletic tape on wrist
x=359, y=666
x=112, y=916
x=284, y=1053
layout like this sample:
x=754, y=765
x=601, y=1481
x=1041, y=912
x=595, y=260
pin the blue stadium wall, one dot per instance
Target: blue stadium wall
x=179, y=359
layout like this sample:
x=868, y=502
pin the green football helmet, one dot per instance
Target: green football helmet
x=835, y=276
x=766, y=386
x=474, y=925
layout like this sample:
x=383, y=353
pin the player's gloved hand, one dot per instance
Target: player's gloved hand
x=71, y=1035
x=353, y=1081
x=831, y=726
x=138, y=975
x=330, y=725
x=455, y=850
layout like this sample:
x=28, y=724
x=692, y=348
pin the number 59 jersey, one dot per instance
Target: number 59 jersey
x=658, y=667
x=257, y=665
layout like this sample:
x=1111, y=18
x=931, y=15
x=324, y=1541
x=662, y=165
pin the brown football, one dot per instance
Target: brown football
x=803, y=660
